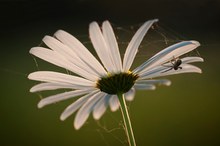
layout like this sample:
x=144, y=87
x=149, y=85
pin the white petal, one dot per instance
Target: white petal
x=114, y=103
x=186, y=68
x=101, y=107
x=48, y=55
x=144, y=86
x=76, y=105
x=167, y=54
x=57, y=59
x=83, y=113
x=55, y=77
x=112, y=45
x=129, y=96
x=152, y=72
x=68, y=53
x=100, y=46
x=53, y=86
x=192, y=59
x=81, y=51
x=61, y=97
x=159, y=81
x=133, y=46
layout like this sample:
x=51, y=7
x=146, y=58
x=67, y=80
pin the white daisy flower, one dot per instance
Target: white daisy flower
x=98, y=84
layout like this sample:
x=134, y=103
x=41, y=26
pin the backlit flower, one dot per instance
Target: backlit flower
x=95, y=84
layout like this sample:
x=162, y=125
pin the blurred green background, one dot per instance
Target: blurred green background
x=185, y=114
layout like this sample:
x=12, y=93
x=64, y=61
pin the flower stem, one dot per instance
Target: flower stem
x=127, y=121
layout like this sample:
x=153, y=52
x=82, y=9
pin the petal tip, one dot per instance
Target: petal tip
x=77, y=125
x=93, y=23
x=46, y=38
x=96, y=116
x=30, y=76
x=114, y=108
x=155, y=20
x=62, y=118
x=40, y=104
x=106, y=21
x=59, y=31
x=32, y=50
x=195, y=42
x=168, y=83
x=153, y=88
x=32, y=90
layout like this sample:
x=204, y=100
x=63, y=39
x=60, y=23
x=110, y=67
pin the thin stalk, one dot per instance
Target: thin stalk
x=127, y=121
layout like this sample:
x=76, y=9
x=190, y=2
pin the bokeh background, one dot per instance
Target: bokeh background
x=184, y=114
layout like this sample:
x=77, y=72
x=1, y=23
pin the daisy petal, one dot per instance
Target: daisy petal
x=186, y=68
x=48, y=55
x=81, y=51
x=83, y=113
x=101, y=107
x=160, y=81
x=152, y=72
x=68, y=53
x=168, y=54
x=144, y=86
x=100, y=46
x=133, y=46
x=55, y=77
x=114, y=103
x=61, y=97
x=58, y=60
x=76, y=105
x=51, y=86
x=112, y=45
x=129, y=96
x=192, y=59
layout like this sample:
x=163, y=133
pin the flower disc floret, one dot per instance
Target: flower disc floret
x=117, y=83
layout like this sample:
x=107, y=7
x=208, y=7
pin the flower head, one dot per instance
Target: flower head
x=99, y=83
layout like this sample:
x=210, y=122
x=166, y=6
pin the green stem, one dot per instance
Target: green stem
x=127, y=121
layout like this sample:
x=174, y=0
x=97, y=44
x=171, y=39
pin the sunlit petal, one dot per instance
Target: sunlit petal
x=112, y=45
x=55, y=86
x=62, y=96
x=129, y=96
x=56, y=59
x=191, y=59
x=68, y=53
x=81, y=51
x=133, y=46
x=55, y=77
x=158, y=81
x=101, y=107
x=100, y=46
x=114, y=103
x=144, y=86
x=167, y=54
x=161, y=71
x=76, y=105
x=83, y=113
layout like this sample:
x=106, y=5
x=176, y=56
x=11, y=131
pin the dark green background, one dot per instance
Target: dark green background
x=184, y=114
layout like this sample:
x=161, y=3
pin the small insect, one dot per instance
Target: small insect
x=176, y=62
